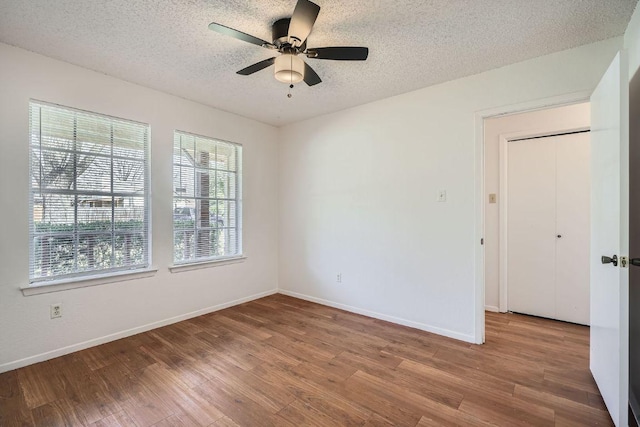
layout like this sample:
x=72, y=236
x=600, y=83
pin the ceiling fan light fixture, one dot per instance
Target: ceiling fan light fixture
x=289, y=68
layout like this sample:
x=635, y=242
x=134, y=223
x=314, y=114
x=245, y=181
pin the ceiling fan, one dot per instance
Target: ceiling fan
x=290, y=39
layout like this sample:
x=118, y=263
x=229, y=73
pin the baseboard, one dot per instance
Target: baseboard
x=126, y=333
x=380, y=316
x=144, y=328
x=492, y=308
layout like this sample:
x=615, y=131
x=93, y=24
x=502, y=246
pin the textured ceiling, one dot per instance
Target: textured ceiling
x=166, y=45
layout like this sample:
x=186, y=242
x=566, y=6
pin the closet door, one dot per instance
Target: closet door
x=548, y=226
x=531, y=227
x=573, y=210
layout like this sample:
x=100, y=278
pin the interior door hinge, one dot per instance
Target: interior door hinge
x=482, y=241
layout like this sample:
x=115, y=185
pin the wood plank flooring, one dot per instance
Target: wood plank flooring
x=280, y=361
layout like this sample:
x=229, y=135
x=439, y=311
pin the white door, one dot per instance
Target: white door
x=531, y=226
x=548, y=227
x=609, y=236
x=573, y=223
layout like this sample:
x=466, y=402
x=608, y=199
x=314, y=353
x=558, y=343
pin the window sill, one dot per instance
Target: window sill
x=179, y=268
x=83, y=282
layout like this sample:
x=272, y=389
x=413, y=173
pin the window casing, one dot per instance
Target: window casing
x=207, y=199
x=89, y=198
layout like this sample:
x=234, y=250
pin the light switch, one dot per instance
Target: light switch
x=493, y=198
x=442, y=196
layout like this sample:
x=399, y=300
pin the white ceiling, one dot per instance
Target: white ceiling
x=166, y=45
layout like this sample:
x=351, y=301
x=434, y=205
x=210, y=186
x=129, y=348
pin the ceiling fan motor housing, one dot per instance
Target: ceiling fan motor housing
x=280, y=35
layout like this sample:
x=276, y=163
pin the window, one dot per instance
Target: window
x=89, y=204
x=207, y=199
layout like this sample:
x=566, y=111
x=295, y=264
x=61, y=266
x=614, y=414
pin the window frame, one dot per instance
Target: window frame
x=204, y=262
x=103, y=275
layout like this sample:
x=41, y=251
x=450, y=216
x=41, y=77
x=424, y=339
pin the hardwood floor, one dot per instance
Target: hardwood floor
x=280, y=361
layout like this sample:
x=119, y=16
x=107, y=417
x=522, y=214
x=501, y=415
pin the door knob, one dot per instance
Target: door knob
x=635, y=261
x=613, y=260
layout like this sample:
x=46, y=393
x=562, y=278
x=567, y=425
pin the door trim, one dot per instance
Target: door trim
x=480, y=116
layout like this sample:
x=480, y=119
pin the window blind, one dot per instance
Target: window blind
x=89, y=199
x=207, y=198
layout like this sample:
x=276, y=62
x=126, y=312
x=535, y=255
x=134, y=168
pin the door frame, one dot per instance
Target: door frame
x=503, y=204
x=479, y=259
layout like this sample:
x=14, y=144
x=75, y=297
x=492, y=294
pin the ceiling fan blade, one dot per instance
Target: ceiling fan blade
x=311, y=78
x=256, y=67
x=339, y=53
x=302, y=20
x=218, y=28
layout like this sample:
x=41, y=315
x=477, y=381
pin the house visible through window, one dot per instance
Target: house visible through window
x=207, y=199
x=89, y=193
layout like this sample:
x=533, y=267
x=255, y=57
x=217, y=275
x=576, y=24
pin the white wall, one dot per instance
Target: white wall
x=632, y=42
x=549, y=121
x=90, y=314
x=358, y=193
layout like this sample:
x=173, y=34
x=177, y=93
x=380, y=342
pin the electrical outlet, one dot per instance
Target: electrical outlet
x=339, y=278
x=56, y=310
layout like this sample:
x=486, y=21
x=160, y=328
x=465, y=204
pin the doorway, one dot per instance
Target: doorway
x=545, y=154
x=609, y=340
